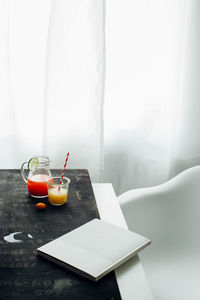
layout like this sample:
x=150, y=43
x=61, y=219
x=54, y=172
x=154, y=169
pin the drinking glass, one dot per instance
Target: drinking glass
x=57, y=193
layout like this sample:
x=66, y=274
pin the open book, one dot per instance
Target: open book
x=94, y=249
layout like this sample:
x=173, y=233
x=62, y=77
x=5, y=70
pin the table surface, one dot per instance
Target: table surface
x=24, y=274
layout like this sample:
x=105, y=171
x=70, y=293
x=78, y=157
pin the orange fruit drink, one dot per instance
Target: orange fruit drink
x=37, y=185
x=56, y=196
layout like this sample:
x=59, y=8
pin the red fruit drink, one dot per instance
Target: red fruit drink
x=37, y=185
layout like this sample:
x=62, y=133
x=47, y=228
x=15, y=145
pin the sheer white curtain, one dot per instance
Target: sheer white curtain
x=51, y=82
x=152, y=100
x=115, y=83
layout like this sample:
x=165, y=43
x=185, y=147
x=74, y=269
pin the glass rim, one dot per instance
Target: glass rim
x=57, y=177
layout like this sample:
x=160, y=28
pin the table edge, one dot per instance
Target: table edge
x=131, y=278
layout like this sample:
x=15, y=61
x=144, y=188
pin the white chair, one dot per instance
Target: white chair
x=169, y=214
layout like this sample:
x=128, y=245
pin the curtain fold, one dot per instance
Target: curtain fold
x=26, y=34
x=7, y=120
x=74, y=99
x=186, y=144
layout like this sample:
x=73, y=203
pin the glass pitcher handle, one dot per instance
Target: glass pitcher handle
x=23, y=171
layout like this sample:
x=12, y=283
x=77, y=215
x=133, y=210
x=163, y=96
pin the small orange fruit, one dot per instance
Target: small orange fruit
x=41, y=206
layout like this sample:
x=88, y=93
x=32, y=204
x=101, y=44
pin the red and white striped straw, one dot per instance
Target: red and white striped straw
x=63, y=171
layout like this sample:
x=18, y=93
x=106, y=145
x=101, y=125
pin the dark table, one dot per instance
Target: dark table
x=23, y=274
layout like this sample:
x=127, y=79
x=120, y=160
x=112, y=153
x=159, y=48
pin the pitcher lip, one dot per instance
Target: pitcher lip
x=45, y=157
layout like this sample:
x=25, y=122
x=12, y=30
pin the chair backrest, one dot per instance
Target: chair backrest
x=168, y=214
